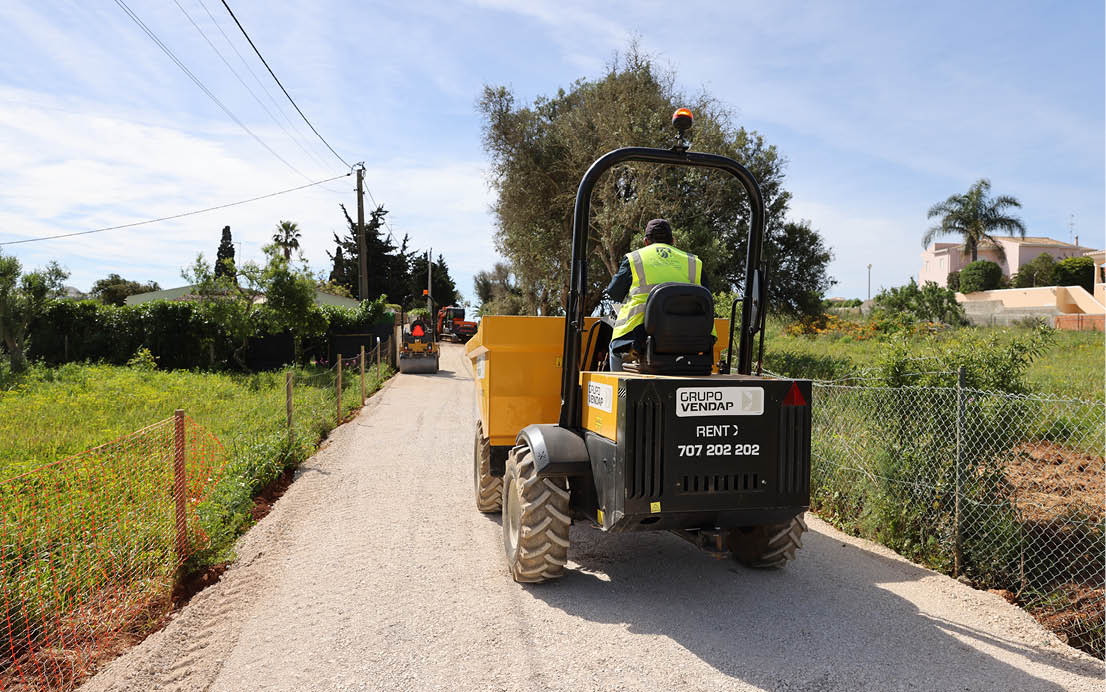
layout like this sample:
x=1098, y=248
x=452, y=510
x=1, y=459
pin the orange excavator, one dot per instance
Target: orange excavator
x=452, y=325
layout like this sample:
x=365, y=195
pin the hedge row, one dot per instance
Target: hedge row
x=181, y=335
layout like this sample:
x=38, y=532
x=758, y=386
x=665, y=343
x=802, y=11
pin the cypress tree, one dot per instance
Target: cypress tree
x=224, y=256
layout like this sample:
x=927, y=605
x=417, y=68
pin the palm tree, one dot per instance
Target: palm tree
x=287, y=236
x=975, y=216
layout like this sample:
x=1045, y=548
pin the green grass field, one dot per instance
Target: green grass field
x=82, y=533
x=1072, y=367
x=53, y=413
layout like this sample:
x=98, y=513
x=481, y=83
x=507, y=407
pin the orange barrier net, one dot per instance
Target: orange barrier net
x=90, y=547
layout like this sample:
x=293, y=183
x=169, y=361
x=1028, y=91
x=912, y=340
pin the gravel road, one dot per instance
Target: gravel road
x=375, y=572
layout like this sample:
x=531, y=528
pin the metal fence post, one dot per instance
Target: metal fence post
x=339, y=390
x=957, y=551
x=180, y=485
x=378, y=361
x=288, y=401
x=362, y=374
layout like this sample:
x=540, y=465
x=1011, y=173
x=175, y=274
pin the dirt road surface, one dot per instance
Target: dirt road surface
x=375, y=572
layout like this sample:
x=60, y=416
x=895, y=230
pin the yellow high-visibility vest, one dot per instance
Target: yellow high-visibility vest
x=651, y=266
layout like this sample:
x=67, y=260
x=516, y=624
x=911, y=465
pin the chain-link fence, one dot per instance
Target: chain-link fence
x=1005, y=491
x=90, y=546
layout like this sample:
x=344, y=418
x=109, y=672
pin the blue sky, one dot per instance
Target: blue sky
x=881, y=109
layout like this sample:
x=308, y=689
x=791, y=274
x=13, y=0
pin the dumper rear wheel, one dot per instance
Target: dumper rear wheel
x=535, y=520
x=767, y=546
x=489, y=489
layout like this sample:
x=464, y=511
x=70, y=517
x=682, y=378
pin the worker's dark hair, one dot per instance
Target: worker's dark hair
x=659, y=231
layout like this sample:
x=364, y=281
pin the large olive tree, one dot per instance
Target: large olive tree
x=539, y=152
x=23, y=297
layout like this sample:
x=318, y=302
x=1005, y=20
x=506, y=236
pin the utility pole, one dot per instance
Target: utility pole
x=363, y=276
x=869, y=281
x=429, y=297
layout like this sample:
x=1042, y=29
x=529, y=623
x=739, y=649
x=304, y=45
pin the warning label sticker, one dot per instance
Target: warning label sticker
x=719, y=401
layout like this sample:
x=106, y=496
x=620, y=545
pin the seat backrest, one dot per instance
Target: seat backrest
x=680, y=318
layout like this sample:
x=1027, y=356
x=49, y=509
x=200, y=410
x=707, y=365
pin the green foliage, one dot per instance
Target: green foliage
x=975, y=216
x=498, y=292
x=723, y=304
x=287, y=237
x=851, y=303
x=1037, y=272
x=442, y=289
x=982, y=275
x=182, y=334
x=23, y=297
x=114, y=289
x=953, y=281
x=334, y=289
x=1075, y=271
x=991, y=362
x=1072, y=367
x=539, y=151
x=224, y=256
x=142, y=360
x=56, y=412
x=930, y=303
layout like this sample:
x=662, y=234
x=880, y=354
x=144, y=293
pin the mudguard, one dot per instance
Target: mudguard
x=558, y=452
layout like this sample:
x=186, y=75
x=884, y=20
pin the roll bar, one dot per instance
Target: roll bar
x=574, y=318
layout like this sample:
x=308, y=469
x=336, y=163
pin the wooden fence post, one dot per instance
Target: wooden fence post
x=339, y=390
x=288, y=401
x=362, y=374
x=180, y=485
x=378, y=361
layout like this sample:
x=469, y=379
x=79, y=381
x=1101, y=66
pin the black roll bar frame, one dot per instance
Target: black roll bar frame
x=574, y=310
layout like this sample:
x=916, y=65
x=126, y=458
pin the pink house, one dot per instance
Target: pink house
x=940, y=259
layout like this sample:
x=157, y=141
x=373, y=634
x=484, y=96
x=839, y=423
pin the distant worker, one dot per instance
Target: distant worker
x=656, y=263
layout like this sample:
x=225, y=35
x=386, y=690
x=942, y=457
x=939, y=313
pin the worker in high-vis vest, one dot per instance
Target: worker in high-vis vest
x=656, y=263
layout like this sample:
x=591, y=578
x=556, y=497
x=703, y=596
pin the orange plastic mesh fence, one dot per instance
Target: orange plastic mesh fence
x=90, y=546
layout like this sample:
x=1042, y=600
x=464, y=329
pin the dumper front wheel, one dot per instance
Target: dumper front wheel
x=767, y=546
x=535, y=520
x=489, y=489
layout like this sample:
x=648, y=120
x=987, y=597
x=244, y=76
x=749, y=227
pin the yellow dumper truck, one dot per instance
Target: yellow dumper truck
x=682, y=440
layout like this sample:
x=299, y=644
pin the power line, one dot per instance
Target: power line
x=153, y=37
x=298, y=134
x=241, y=81
x=266, y=64
x=176, y=216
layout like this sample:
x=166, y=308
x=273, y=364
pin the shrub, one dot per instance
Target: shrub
x=983, y=275
x=1037, y=272
x=929, y=303
x=143, y=360
x=178, y=334
x=953, y=281
x=1075, y=271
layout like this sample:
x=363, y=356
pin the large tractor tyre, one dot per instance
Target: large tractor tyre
x=535, y=521
x=489, y=489
x=768, y=546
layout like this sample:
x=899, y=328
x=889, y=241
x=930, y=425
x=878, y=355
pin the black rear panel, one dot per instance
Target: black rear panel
x=718, y=451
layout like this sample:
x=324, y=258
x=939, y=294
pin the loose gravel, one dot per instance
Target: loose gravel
x=375, y=572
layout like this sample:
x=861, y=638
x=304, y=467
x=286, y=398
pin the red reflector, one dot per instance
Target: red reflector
x=794, y=397
x=417, y=330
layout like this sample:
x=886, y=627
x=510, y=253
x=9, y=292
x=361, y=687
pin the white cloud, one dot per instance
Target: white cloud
x=80, y=167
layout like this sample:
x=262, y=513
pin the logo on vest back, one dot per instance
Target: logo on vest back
x=664, y=252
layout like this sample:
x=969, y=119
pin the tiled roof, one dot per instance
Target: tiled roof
x=1039, y=241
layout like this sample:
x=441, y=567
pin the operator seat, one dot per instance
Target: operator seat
x=679, y=318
